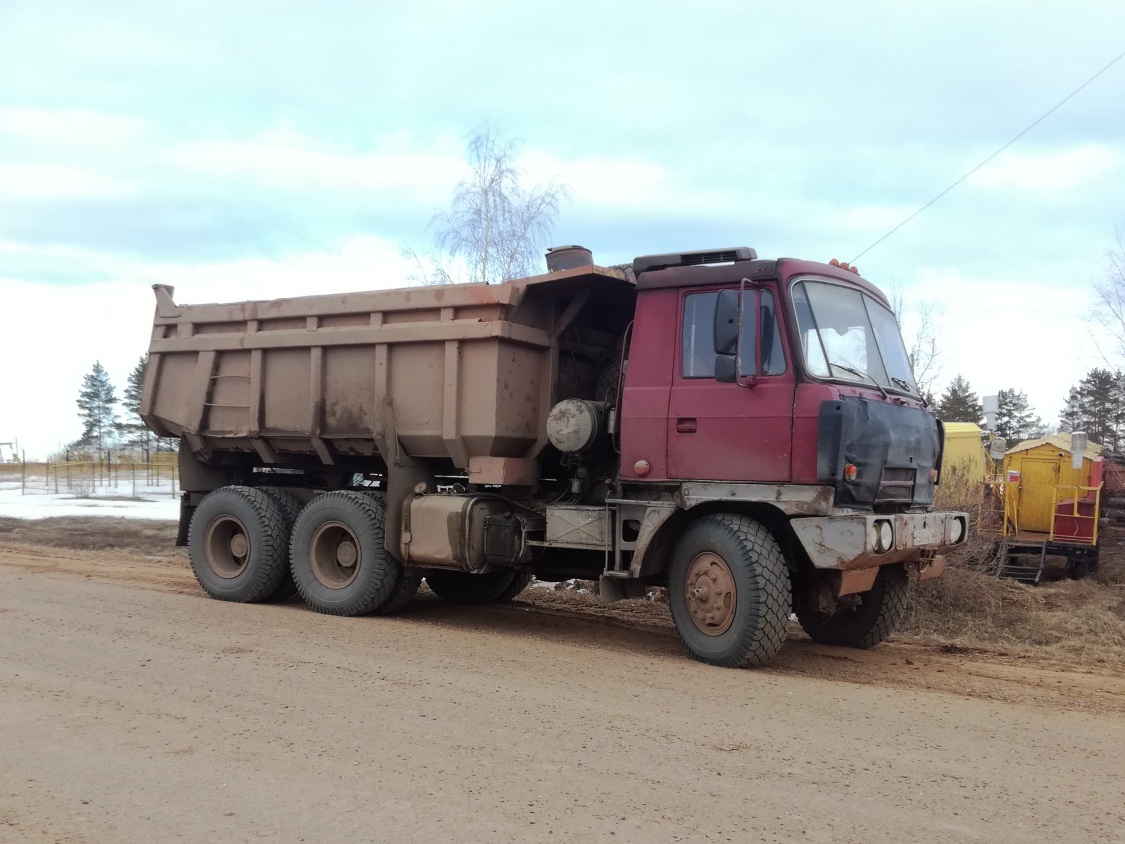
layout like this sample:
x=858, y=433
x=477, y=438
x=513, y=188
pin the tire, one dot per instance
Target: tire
x=871, y=621
x=520, y=581
x=405, y=588
x=459, y=587
x=729, y=591
x=238, y=545
x=1078, y=569
x=337, y=556
x=290, y=509
x=608, y=377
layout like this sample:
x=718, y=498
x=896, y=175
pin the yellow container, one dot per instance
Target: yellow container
x=1039, y=471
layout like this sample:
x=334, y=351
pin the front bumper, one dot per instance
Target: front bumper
x=861, y=541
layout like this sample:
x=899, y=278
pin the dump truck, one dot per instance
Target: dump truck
x=745, y=433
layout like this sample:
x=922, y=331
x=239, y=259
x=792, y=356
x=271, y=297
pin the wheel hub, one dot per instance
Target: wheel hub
x=334, y=554
x=226, y=547
x=346, y=554
x=710, y=592
x=239, y=545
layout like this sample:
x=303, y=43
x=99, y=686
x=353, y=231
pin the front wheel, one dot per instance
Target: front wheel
x=867, y=618
x=729, y=591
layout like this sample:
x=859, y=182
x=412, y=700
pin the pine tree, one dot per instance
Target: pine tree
x=1097, y=406
x=134, y=431
x=97, y=409
x=1015, y=420
x=959, y=403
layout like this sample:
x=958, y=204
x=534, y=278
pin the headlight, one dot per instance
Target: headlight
x=883, y=536
x=956, y=531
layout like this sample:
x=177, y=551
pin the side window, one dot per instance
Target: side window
x=698, y=358
x=698, y=340
x=773, y=353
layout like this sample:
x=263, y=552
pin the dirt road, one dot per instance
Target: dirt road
x=133, y=709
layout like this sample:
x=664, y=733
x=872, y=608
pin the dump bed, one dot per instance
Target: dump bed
x=465, y=372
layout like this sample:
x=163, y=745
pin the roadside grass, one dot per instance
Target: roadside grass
x=1080, y=622
x=94, y=533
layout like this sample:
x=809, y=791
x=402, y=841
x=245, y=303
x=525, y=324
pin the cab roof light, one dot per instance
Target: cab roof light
x=844, y=265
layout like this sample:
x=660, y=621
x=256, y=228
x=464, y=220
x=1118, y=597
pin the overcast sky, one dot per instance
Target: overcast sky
x=254, y=150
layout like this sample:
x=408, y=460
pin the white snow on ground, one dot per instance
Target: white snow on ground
x=150, y=502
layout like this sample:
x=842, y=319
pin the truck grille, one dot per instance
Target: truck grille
x=895, y=485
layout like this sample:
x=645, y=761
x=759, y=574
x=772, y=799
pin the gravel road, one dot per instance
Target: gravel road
x=134, y=710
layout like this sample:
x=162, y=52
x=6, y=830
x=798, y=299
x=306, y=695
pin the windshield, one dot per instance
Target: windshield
x=847, y=335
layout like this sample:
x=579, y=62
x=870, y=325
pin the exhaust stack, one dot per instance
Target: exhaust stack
x=568, y=258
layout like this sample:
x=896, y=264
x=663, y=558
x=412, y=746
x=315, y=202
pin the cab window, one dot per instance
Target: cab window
x=698, y=338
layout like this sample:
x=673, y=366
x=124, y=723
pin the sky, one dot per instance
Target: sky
x=255, y=150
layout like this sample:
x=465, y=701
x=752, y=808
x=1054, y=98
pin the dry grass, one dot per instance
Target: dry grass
x=1080, y=622
x=95, y=533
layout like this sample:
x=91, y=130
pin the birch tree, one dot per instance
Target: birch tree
x=496, y=229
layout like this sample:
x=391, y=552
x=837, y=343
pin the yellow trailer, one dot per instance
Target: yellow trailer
x=964, y=463
x=1049, y=499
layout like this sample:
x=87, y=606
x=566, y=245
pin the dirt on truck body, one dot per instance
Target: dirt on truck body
x=745, y=432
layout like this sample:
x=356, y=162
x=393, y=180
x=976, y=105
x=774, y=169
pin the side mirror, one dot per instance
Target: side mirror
x=726, y=370
x=727, y=319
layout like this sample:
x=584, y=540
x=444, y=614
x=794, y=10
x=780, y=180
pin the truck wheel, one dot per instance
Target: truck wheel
x=459, y=587
x=729, y=591
x=238, y=545
x=405, y=588
x=869, y=620
x=520, y=581
x=337, y=556
x=1078, y=568
x=290, y=508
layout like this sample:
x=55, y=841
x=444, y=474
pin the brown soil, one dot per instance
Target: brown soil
x=135, y=709
x=977, y=637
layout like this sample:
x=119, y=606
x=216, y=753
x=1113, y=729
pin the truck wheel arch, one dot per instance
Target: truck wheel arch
x=657, y=555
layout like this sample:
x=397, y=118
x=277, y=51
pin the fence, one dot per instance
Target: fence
x=86, y=479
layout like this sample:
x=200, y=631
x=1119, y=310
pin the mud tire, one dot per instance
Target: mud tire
x=327, y=524
x=520, y=581
x=406, y=586
x=459, y=587
x=607, y=380
x=290, y=509
x=880, y=611
x=762, y=591
x=256, y=517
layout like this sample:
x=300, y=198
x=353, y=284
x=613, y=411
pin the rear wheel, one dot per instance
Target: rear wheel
x=865, y=619
x=337, y=556
x=729, y=591
x=238, y=544
x=290, y=509
x=459, y=587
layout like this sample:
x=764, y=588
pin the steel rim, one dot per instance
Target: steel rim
x=334, y=555
x=227, y=547
x=710, y=593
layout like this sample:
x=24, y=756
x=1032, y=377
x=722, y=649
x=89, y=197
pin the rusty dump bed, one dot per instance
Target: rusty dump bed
x=464, y=372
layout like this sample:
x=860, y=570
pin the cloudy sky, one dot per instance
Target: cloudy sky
x=253, y=150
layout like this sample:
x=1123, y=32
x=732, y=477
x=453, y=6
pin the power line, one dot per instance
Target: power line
x=1039, y=120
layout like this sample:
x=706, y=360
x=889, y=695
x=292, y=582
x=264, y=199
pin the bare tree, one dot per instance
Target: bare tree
x=495, y=228
x=921, y=340
x=1109, y=307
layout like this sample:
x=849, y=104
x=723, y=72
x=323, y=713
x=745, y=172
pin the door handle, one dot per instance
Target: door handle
x=685, y=426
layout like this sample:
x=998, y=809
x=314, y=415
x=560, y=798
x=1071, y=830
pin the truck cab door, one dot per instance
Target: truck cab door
x=741, y=430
